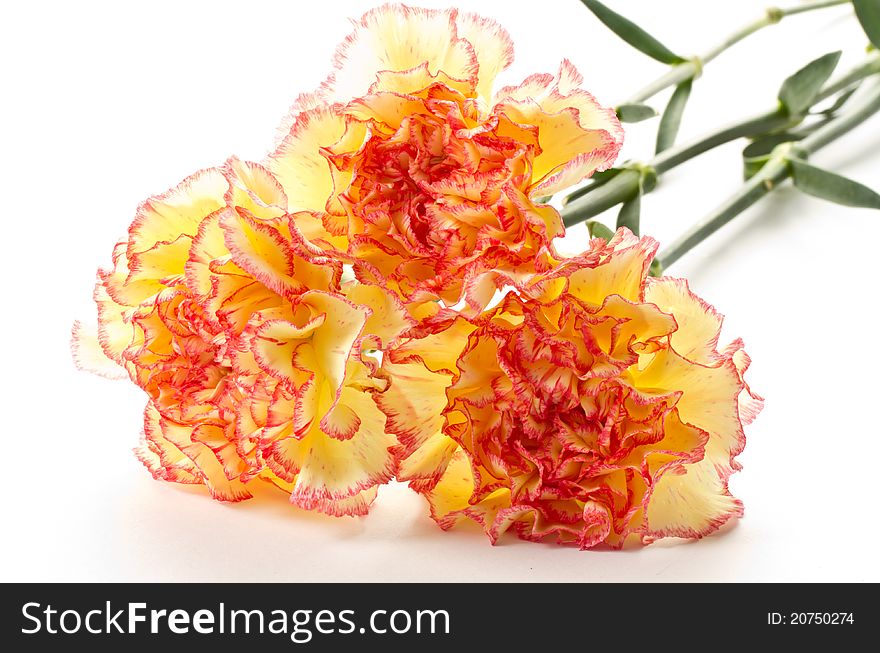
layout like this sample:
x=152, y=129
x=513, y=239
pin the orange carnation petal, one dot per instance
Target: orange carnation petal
x=750, y=404
x=577, y=135
x=333, y=469
x=621, y=272
x=333, y=343
x=208, y=257
x=114, y=325
x=438, y=351
x=154, y=270
x=213, y=472
x=492, y=46
x=699, y=325
x=354, y=506
x=708, y=398
x=152, y=456
x=452, y=494
x=255, y=189
x=414, y=403
x=692, y=504
x=398, y=38
x=261, y=250
x=276, y=342
x=451, y=500
x=179, y=211
x=88, y=354
x=173, y=446
x=429, y=461
x=342, y=420
x=403, y=82
x=388, y=318
x=297, y=163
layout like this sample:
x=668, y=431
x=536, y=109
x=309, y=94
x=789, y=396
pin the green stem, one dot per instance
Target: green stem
x=692, y=69
x=834, y=129
x=672, y=77
x=588, y=202
x=619, y=189
x=577, y=207
x=775, y=171
x=868, y=67
x=614, y=192
x=760, y=124
x=810, y=6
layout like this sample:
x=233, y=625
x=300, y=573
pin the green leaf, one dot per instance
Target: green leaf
x=832, y=187
x=799, y=91
x=758, y=152
x=671, y=120
x=868, y=13
x=648, y=179
x=656, y=269
x=629, y=214
x=599, y=230
x=764, y=145
x=605, y=176
x=632, y=33
x=635, y=112
x=837, y=105
x=753, y=165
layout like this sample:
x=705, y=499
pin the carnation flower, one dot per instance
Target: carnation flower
x=292, y=322
x=407, y=163
x=590, y=406
x=248, y=345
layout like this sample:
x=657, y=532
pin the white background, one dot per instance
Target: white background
x=106, y=103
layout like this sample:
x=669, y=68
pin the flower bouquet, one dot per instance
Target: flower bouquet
x=380, y=297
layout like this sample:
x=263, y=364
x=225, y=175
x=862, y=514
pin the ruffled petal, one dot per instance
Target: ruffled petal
x=622, y=270
x=388, y=318
x=89, y=356
x=166, y=217
x=260, y=250
x=255, y=189
x=708, y=399
x=331, y=469
x=174, y=442
x=691, y=504
x=399, y=38
x=300, y=168
x=492, y=46
x=699, y=325
x=570, y=414
x=451, y=496
x=413, y=404
x=357, y=505
x=333, y=344
x=577, y=135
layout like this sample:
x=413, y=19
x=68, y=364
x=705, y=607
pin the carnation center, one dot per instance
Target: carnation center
x=572, y=427
x=438, y=184
x=193, y=369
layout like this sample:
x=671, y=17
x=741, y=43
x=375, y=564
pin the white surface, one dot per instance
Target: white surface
x=107, y=103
